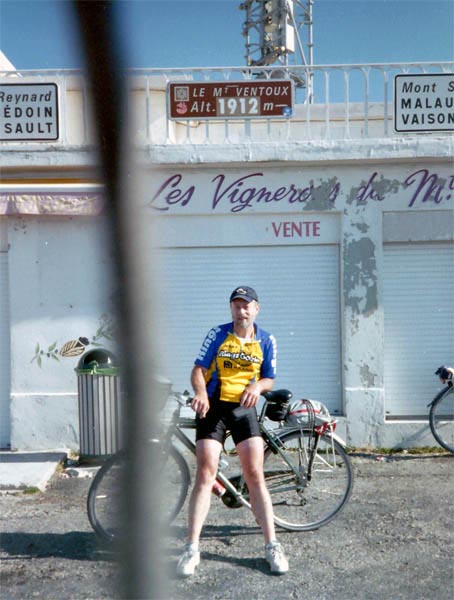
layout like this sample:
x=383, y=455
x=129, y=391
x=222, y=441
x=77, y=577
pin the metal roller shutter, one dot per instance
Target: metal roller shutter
x=419, y=323
x=298, y=287
x=4, y=353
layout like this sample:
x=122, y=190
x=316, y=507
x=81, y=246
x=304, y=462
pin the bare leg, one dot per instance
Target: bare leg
x=251, y=453
x=207, y=453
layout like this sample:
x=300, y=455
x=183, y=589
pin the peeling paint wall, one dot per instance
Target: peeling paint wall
x=358, y=195
x=360, y=276
x=60, y=289
x=376, y=202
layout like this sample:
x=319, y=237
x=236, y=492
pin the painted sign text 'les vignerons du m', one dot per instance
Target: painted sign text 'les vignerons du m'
x=247, y=191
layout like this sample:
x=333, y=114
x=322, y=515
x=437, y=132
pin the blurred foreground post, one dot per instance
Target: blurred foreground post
x=142, y=550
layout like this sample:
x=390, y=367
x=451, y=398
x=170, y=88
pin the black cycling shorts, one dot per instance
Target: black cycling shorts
x=222, y=416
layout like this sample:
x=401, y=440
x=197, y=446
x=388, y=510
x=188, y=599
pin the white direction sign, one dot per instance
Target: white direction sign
x=424, y=103
x=29, y=112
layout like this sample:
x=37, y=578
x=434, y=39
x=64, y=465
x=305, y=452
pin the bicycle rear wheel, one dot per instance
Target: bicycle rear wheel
x=441, y=418
x=301, y=504
x=105, y=495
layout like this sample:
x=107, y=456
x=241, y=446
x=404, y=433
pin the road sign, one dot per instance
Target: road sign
x=29, y=112
x=230, y=100
x=424, y=102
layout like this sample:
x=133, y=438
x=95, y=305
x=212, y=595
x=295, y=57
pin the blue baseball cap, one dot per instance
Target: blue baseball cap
x=245, y=293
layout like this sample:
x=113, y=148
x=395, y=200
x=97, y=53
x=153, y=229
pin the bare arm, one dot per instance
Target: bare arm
x=200, y=403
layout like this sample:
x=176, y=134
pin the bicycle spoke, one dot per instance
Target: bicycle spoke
x=300, y=503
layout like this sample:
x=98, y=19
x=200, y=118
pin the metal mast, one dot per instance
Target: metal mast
x=273, y=30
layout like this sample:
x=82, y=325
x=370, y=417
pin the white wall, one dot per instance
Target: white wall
x=60, y=290
x=204, y=194
x=217, y=205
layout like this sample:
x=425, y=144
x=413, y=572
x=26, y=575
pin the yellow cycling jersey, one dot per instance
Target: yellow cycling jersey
x=232, y=363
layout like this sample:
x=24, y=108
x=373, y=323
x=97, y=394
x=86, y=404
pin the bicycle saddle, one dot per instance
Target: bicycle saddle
x=278, y=396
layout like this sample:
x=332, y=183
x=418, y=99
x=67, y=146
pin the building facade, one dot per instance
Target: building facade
x=343, y=225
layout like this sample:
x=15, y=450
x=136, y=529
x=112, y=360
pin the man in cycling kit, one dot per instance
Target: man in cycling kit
x=235, y=365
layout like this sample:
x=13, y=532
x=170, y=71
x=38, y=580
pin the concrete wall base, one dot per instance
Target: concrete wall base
x=40, y=422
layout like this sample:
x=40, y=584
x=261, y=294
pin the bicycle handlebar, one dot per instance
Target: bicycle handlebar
x=445, y=373
x=183, y=398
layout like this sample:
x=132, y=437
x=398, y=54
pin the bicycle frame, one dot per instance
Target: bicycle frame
x=178, y=424
x=300, y=468
x=270, y=437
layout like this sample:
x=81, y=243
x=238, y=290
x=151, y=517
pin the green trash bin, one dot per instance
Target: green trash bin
x=98, y=383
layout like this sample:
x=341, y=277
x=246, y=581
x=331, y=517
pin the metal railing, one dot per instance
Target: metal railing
x=351, y=102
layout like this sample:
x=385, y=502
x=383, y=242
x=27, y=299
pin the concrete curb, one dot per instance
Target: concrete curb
x=20, y=471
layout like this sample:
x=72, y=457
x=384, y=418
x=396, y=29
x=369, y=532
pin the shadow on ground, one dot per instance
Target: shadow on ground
x=74, y=545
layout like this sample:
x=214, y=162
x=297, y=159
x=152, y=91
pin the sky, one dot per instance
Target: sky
x=42, y=34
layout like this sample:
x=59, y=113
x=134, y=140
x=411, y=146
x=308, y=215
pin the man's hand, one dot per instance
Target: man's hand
x=200, y=404
x=253, y=391
x=251, y=395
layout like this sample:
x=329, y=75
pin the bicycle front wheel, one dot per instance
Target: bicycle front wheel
x=441, y=418
x=105, y=500
x=303, y=501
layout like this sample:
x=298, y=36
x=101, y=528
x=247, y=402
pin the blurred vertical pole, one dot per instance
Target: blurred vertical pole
x=142, y=551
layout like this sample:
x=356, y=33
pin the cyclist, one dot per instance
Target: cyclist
x=235, y=365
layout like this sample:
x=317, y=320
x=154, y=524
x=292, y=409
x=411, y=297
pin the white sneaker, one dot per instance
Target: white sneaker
x=189, y=560
x=275, y=557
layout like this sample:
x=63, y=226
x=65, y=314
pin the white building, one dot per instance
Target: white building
x=342, y=224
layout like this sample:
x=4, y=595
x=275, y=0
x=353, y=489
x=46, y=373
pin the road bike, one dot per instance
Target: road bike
x=441, y=415
x=307, y=470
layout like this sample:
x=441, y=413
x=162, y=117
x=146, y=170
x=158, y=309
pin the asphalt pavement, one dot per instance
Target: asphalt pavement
x=394, y=540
